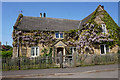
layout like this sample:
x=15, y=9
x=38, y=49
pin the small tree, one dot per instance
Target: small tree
x=44, y=51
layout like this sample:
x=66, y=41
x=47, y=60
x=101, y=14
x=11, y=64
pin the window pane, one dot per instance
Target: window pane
x=103, y=28
x=102, y=49
x=61, y=35
x=103, y=25
x=107, y=49
x=74, y=49
x=32, y=51
x=36, y=51
x=57, y=35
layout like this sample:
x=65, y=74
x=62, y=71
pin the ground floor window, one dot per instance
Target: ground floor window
x=104, y=49
x=72, y=49
x=34, y=51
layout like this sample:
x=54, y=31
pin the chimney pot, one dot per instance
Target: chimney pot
x=40, y=14
x=44, y=14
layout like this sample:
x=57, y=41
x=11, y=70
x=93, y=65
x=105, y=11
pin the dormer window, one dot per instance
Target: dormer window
x=59, y=34
x=104, y=30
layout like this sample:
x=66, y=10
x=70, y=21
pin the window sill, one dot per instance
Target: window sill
x=102, y=54
x=59, y=38
x=33, y=56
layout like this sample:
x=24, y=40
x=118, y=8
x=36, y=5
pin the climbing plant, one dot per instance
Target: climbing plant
x=44, y=51
x=83, y=38
x=112, y=27
x=92, y=32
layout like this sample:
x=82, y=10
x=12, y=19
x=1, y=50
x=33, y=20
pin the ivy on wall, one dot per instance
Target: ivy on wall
x=112, y=27
x=84, y=38
x=92, y=32
x=32, y=38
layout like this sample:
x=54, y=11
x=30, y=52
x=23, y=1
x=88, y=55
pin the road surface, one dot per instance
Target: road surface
x=99, y=71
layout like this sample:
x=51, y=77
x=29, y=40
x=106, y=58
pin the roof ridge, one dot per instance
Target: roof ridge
x=52, y=18
x=93, y=12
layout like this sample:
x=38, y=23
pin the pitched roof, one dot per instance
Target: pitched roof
x=50, y=24
x=58, y=42
x=85, y=19
x=47, y=24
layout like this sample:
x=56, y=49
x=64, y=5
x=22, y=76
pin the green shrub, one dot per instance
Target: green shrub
x=7, y=53
x=50, y=52
x=45, y=52
x=118, y=51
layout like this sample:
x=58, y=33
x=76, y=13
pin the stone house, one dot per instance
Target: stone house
x=36, y=36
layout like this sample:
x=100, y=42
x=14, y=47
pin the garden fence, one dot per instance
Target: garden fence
x=28, y=63
x=23, y=63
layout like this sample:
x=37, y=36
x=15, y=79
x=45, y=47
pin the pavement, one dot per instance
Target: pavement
x=98, y=71
x=95, y=74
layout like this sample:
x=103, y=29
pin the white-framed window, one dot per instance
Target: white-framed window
x=104, y=30
x=34, y=51
x=104, y=49
x=59, y=34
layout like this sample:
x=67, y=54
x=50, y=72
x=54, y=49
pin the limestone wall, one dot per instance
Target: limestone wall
x=28, y=54
x=14, y=51
x=97, y=50
x=114, y=49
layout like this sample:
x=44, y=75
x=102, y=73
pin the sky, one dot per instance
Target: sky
x=65, y=10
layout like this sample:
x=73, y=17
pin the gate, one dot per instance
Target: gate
x=64, y=60
x=67, y=60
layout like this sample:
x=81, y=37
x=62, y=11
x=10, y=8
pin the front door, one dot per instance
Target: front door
x=59, y=49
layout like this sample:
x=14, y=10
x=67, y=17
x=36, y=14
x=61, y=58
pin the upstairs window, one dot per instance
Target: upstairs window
x=104, y=30
x=34, y=51
x=59, y=34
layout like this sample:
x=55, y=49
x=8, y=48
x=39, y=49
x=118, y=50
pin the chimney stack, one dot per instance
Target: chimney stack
x=44, y=14
x=40, y=14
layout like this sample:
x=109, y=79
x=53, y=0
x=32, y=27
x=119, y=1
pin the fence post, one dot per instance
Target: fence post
x=60, y=59
x=19, y=63
x=7, y=63
x=118, y=58
x=74, y=59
